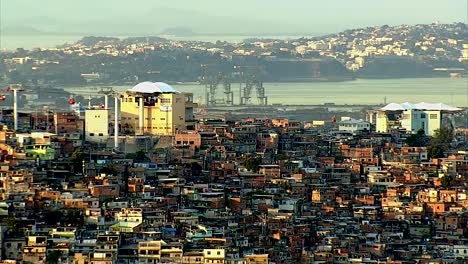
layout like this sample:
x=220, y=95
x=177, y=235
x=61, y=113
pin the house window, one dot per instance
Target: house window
x=433, y=116
x=101, y=134
x=91, y=134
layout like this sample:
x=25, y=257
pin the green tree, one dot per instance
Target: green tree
x=196, y=169
x=74, y=218
x=130, y=156
x=443, y=135
x=253, y=164
x=281, y=156
x=416, y=140
x=440, y=142
x=435, y=151
x=109, y=169
x=446, y=181
x=53, y=257
x=77, y=158
x=140, y=156
x=53, y=217
x=13, y=225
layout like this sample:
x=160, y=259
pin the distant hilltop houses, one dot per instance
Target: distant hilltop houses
x=373, y=52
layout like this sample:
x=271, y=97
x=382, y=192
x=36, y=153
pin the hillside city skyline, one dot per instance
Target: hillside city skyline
x=312, y=132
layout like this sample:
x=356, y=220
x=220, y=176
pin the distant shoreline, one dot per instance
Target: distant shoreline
x=89, y=85
x=279, y=82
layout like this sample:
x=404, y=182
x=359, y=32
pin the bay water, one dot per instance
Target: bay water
x=451, y=91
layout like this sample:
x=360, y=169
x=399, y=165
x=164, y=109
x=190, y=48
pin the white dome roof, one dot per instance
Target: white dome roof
x=150, y=87
x=393, y=107
x=420, y=106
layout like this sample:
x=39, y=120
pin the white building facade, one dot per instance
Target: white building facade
x=97, y=125
x=353, y=125
x=413, y=117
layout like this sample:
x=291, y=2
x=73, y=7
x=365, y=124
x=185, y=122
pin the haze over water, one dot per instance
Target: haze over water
x=452, y=91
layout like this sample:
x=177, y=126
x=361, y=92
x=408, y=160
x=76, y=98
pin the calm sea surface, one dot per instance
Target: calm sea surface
x=452, y=91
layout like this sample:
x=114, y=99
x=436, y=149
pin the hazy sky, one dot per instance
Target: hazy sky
x=223, y=16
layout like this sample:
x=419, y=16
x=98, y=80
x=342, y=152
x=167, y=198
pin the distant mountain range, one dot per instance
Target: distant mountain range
x=22, y=30
x=157, y=21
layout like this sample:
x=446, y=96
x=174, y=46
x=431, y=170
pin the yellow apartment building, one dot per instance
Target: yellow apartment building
x=155, y=109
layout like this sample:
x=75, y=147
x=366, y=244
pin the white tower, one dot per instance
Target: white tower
x=15, y=88
x=116, y=121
